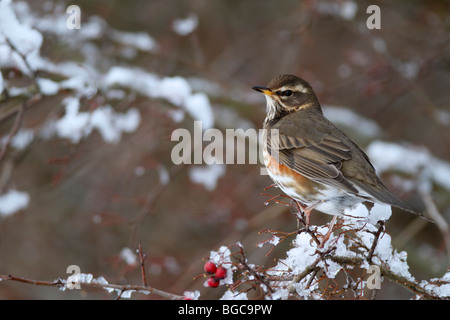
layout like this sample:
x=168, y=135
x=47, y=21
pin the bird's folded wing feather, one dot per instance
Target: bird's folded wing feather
x=319, y=161
x=323, y=161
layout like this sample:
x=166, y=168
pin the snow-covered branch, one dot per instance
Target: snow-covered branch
x=352, y=264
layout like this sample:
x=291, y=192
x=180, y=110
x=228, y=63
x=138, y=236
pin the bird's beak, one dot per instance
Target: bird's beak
x=264, y=90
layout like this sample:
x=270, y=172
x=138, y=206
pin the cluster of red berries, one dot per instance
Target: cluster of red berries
x=216, y=274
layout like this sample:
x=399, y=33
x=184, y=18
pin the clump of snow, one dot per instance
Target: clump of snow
x=199, y=107
x=21, y=139
x=80, y=278
x=442, y=116
x=384, y=252
x=300, y=256
x=207, y=175
x=164, y=177
x=378, y=212
x=230, y=295
x=352, y=120
x=344, y=9
x=387, y=156
x=73, y=125
x=127, y=255
x=17, y=41
x=175, y=90
x=47, y=86
x=177, y=115
x=185, y=26
x=439, y=287
x=191, y=295
x=140, y=40
x=409, y=69
x=76, y=125
x=111, y=124
x=13, y=201
x=348, y=10
x=220, y=256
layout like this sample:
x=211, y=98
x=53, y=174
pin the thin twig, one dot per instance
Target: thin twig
x=141, y=258
x=25, y=60
x=243, y=262
x=59, y=283
x=54, y=283
x=14, y=129
x=437, y=217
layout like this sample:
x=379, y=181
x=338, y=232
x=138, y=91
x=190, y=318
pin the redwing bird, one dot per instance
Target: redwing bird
x=310, y=159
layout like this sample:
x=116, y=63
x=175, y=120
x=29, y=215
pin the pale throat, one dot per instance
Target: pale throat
x=272, y=108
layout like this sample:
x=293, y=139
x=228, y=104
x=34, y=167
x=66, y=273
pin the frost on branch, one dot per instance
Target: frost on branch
x=352, y=264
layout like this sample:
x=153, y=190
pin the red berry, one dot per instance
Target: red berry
x=210, y=267
x=221, y=273
x=213, y=282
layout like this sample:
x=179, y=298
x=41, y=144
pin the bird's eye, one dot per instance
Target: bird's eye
x=285, y=93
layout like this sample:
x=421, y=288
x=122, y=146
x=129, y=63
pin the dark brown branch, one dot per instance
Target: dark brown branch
x=375, y=241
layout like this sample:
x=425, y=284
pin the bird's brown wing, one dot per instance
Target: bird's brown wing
x=321, y=152
x=319, y=161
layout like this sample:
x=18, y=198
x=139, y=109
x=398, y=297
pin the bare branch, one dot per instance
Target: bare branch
x=141, y=258
x=59, y=283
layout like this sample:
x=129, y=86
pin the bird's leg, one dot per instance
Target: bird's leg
x=328, y=234
x=301, y=217
x=307, y=211
x=307, y=217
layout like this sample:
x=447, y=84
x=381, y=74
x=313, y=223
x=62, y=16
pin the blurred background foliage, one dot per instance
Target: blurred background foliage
x=91, y=200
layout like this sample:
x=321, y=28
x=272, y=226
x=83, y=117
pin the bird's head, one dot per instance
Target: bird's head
x=286, y=94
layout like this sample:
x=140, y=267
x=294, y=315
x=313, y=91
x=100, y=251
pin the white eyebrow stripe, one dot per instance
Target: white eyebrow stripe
x=298, y=87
